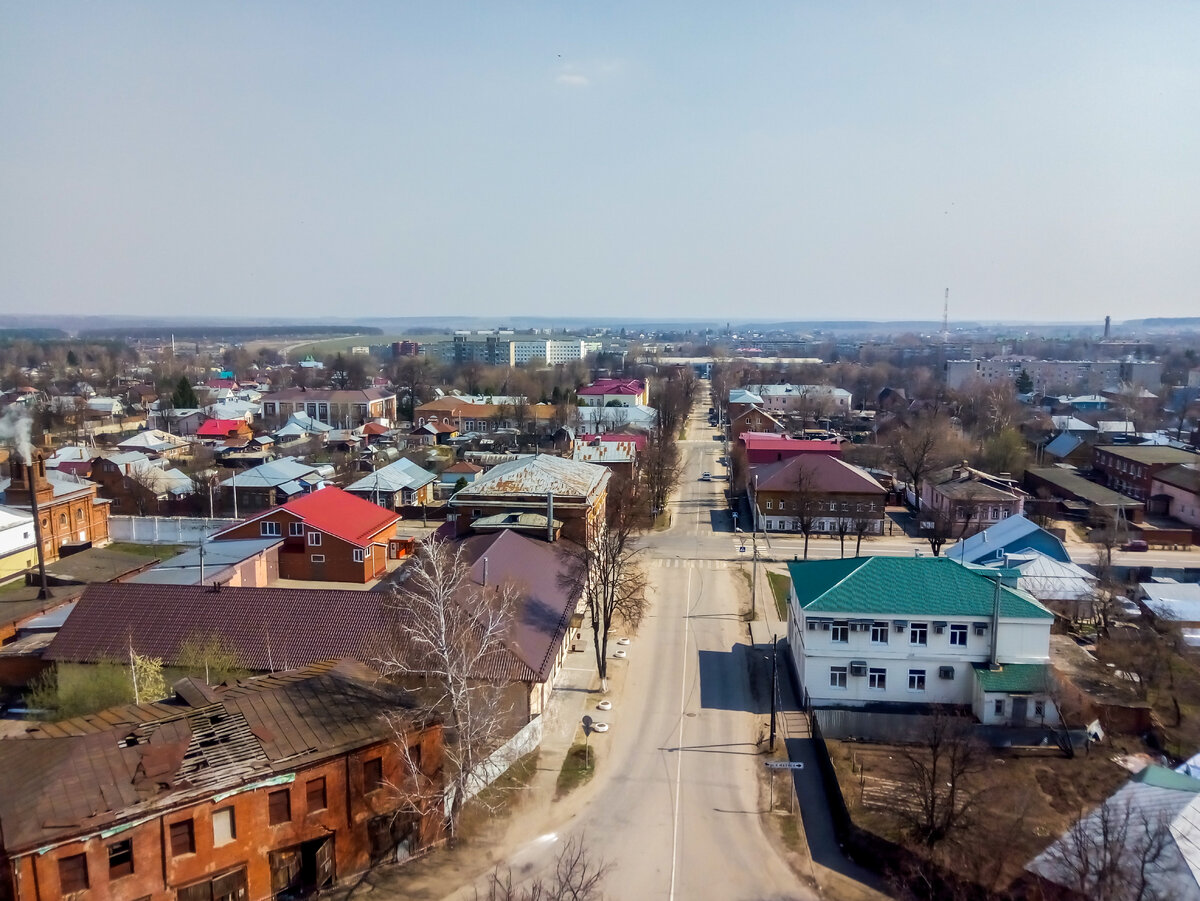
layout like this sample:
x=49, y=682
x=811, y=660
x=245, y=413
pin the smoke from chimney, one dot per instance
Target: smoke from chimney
x=16, y=428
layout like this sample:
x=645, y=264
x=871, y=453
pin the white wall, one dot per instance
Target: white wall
x=164, y=529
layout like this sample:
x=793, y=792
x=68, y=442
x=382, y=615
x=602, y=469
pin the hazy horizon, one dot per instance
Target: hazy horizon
x=790, y=162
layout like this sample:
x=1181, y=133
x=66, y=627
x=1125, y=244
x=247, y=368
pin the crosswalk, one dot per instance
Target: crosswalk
x=683, y=563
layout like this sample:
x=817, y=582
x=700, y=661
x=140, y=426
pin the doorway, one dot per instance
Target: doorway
x=1020, y=711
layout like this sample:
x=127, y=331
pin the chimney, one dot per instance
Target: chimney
x=550, y=517
x=29, y=479
x=1107, y=327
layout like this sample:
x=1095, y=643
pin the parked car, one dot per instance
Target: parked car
x=1136, y=544
x=706, y=477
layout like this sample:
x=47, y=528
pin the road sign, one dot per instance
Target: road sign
x=742, y=549
x=784, y=765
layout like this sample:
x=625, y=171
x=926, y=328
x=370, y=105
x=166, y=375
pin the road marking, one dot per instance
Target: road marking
x=679, y=742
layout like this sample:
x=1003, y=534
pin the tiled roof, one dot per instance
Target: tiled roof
x=219, y=427
x=1009, y=677
x=828, y=474
x=772, y=441
x=910, y=586
x=266, y=628
x=463, y=466
x=613, y=386
x=83, y=775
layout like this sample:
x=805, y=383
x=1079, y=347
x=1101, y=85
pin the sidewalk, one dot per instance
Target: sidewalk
x=836, y=875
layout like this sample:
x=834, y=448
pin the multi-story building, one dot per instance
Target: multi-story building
x=625, y=392
x=915, y=631
x=1130, y=470
x=339, y=407
x=963, y=501
x=834, y=495
x=270, y=787
x=804, y=399
x=1052, y=376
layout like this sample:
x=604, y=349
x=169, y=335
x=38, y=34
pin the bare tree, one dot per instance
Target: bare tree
x=842, y=526
x=1118, y=852
x=861, y=526
x=660, y=468
x=577, y=877
x=936, y=530
x=609, y=573
x=446, y=639
x=808, y=501
x=921, y=448
x=940, y=791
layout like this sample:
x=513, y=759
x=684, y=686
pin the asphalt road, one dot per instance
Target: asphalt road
x=676, y=803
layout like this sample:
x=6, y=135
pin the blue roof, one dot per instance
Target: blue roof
x=1010, y=536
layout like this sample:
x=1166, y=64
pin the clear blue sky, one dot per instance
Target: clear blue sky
x=798, y=160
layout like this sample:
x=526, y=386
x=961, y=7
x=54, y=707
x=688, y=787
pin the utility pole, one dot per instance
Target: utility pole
x=754, y=583
x=774, y=684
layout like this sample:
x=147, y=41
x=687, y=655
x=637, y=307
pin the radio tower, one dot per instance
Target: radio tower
x=946, y=318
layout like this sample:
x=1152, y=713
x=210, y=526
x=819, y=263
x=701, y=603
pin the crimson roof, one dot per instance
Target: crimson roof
x=613, y=386
x=638, y=441
x=219, y=427
x=342, y=514
x=771, y=441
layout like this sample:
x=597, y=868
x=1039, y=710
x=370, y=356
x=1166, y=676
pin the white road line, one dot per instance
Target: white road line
x=679, y=742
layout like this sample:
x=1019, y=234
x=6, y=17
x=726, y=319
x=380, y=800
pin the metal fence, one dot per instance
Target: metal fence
x=164, y=529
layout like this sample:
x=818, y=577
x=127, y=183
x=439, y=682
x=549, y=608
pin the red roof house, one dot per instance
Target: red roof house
x=764, y=447
x=224, y=428
x=329, y=535
x=624, y=391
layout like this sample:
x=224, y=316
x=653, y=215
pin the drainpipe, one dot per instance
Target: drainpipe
x=485, y=571
x=550, y=517
x=993, y=663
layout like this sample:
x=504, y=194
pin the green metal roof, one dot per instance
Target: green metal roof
x=1012, y=677
x=1162, y=777
x=909, y=586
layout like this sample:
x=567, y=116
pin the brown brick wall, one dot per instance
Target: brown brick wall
x=157, y=874
x=295, y=554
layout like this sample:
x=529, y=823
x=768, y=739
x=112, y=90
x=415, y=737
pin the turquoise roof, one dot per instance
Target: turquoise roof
x=908, y=586
x=1162, y=777
x=1012, y=677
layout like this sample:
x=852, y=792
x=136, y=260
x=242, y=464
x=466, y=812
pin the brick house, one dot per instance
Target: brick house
x=577, y=492
x=839, y=492
x=284, y=783
x=626, y=392
x=68, y=506
x=768, y=448
x=328, y=536
x=221, y=430
x=1130, y=470
x=349, y=407
x=1176, y=490
x=969, y=500
x=753, y=419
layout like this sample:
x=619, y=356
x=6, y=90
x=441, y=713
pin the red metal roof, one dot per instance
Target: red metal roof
x=340, y=513
x=771, y=441
x=613, y=386
x=638, y=441
x=826, y=474
x=219, y=428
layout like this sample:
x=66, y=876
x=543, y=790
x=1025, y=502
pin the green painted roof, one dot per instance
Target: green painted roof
x=1162, y=777
x=908, y=586
x=1012, y=677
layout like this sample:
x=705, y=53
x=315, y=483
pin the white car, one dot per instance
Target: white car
x=706, y=477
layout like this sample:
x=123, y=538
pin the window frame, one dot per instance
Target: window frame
x=843, y=630
x=998, y=706
x=314, y=538
x=877, y=678
x=916, y=679
x=923, y=630
x=360, y=555
x=295, y=530
x=71, y=865
x=959, y=630
x=115, y=850
x=1039, y=709
x=226, y=813
x=880, y=628
x=182, y=829
x=372, y=772
x=286, y=795
x=839, y=677
x=310, y=786
x=269, y=528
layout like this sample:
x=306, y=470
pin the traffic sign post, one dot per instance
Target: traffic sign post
x=784, y=765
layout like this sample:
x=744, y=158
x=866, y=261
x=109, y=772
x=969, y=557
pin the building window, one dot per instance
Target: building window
x=183, y=838
x=79, y=516
x=317, y=558
x=916, y=680
x=62, y=519
x=120, y=859
x=879, y=633
x=296, y=529
x=768, y=504
x=918, y=633
x=358, y=555
x=268, y=529
x=372, y=774
x=1039, y=708
x=279, y=806
x=224, y=828
x=877, y=678
x=314, y=539
x=72, y=873
x=958, y=635
x=998, y=706
x=837, y=677
x=314, y=792
x=840, y=632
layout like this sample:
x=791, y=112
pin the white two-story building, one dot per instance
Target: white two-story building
x=884, y=632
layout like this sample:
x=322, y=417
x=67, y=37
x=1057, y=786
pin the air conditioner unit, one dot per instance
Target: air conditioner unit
x=900, y=627
x=939, y=628
x=945, y=672
x=825, y=626
x=812, y=625
x=980, y=628
x=858, y=667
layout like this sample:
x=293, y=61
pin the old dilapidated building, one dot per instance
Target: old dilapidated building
x=266, y=787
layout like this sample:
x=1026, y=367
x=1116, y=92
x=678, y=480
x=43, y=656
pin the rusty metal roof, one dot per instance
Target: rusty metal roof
x=70, y=779
x=539, y=475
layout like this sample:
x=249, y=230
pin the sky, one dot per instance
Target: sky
x=800, y=160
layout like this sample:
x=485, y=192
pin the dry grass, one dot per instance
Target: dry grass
x=1028, y=797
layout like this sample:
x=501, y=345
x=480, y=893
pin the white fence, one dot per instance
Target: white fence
x=164, y=529
x=526, y=741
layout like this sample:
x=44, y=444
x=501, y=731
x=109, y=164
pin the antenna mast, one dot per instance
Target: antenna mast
x=946, y=318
